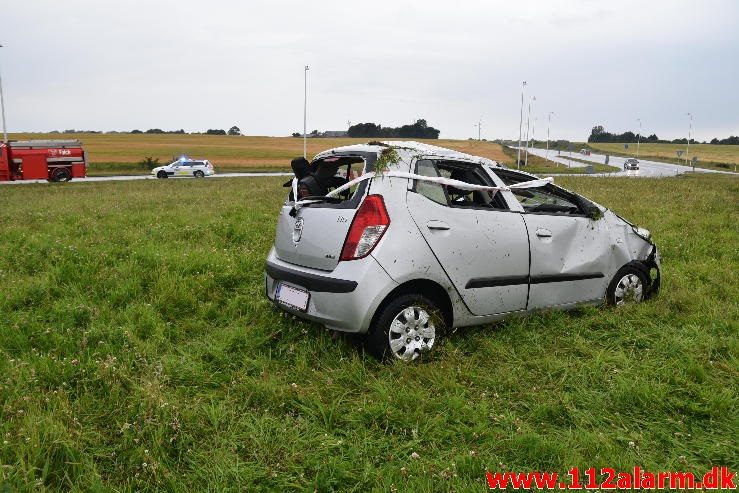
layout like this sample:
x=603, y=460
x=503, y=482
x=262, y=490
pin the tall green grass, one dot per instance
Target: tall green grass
x=137, y=353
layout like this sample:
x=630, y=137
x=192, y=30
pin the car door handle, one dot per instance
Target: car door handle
x=543, y=233
x=437, y=225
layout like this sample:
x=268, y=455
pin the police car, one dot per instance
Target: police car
x=199, y=168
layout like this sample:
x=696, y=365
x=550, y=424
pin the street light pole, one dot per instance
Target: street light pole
x=520, y=124
x=638, y=138
x=528, y=122
x=305, y=112
x=549, y=124
x=690, y=131
x=2, y=109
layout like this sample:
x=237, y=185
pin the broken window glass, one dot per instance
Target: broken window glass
x=454, y=196
x=548, y=199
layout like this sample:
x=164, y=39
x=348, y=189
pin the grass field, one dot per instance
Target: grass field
x=137, y=353
x=721, y=157
x=119, y=153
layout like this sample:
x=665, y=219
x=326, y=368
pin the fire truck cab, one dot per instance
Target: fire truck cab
x=52, y=160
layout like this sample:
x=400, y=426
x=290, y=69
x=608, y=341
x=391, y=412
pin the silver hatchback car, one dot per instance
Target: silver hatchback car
x=415, y=238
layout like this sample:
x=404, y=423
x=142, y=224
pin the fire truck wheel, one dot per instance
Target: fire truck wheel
x=162, y=174
x=61, y=175
x=199, y=174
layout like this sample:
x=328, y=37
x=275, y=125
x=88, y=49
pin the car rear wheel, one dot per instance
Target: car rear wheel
x=405, y=329
x=162, y=174
x=199, y=174
x=629, y=285
x=61, y=175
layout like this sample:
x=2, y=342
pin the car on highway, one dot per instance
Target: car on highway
x=199, y=168
x=402, y=240
x=631, y=165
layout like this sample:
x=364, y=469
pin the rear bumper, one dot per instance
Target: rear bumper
x=312, y=282
x=344, y=300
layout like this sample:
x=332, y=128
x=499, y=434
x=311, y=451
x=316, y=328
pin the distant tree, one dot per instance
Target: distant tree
x=136, y=131
x=297, y=134
x=234, y=130
x=653, y=138
x=596, y=131
x=417, y=130
x=149, y=162
x=155, y=131
x=364, y=130
x=314, y=133
x=731, y=140
x=180, y=131
x=213, y=131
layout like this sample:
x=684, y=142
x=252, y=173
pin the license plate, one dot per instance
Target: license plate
x=293, y=297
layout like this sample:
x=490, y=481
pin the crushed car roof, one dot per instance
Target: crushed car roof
x=411, y=147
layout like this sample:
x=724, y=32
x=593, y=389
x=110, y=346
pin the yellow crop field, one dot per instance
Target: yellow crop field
x=119, y=152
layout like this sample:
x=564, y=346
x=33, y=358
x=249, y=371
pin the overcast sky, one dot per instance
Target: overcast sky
x=197, y=65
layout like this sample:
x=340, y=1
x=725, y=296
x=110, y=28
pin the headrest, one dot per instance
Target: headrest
x=300, y=167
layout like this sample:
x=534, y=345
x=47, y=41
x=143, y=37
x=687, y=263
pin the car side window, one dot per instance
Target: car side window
x=432, y=191
x=545, y=200
x=453, y=196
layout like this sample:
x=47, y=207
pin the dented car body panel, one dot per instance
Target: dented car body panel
x=482, y=256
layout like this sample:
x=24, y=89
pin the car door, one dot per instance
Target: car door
x=184, y=169
x=569, y=250
x=481, y=244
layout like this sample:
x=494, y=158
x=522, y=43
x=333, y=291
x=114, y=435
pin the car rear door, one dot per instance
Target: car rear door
x=482, y=247
x=569, y=250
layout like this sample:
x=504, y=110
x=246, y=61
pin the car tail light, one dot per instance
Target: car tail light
x=368, y=226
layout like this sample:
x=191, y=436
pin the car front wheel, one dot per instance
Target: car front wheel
x=162, y=174
x=629, y=285
x=405, y=329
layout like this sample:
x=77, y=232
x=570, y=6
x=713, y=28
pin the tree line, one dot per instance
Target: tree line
x=211, y=131
x=418, y=130
x=599, y=135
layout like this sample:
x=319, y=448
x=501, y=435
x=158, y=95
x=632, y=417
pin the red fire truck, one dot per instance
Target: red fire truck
x=53, y=160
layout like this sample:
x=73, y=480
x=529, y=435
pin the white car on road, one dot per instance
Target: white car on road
x=199, y=168
x=631, y=165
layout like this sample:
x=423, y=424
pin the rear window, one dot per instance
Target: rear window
x=330, y=173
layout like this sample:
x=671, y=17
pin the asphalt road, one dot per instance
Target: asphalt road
x=647, y=169
x=92, y=179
